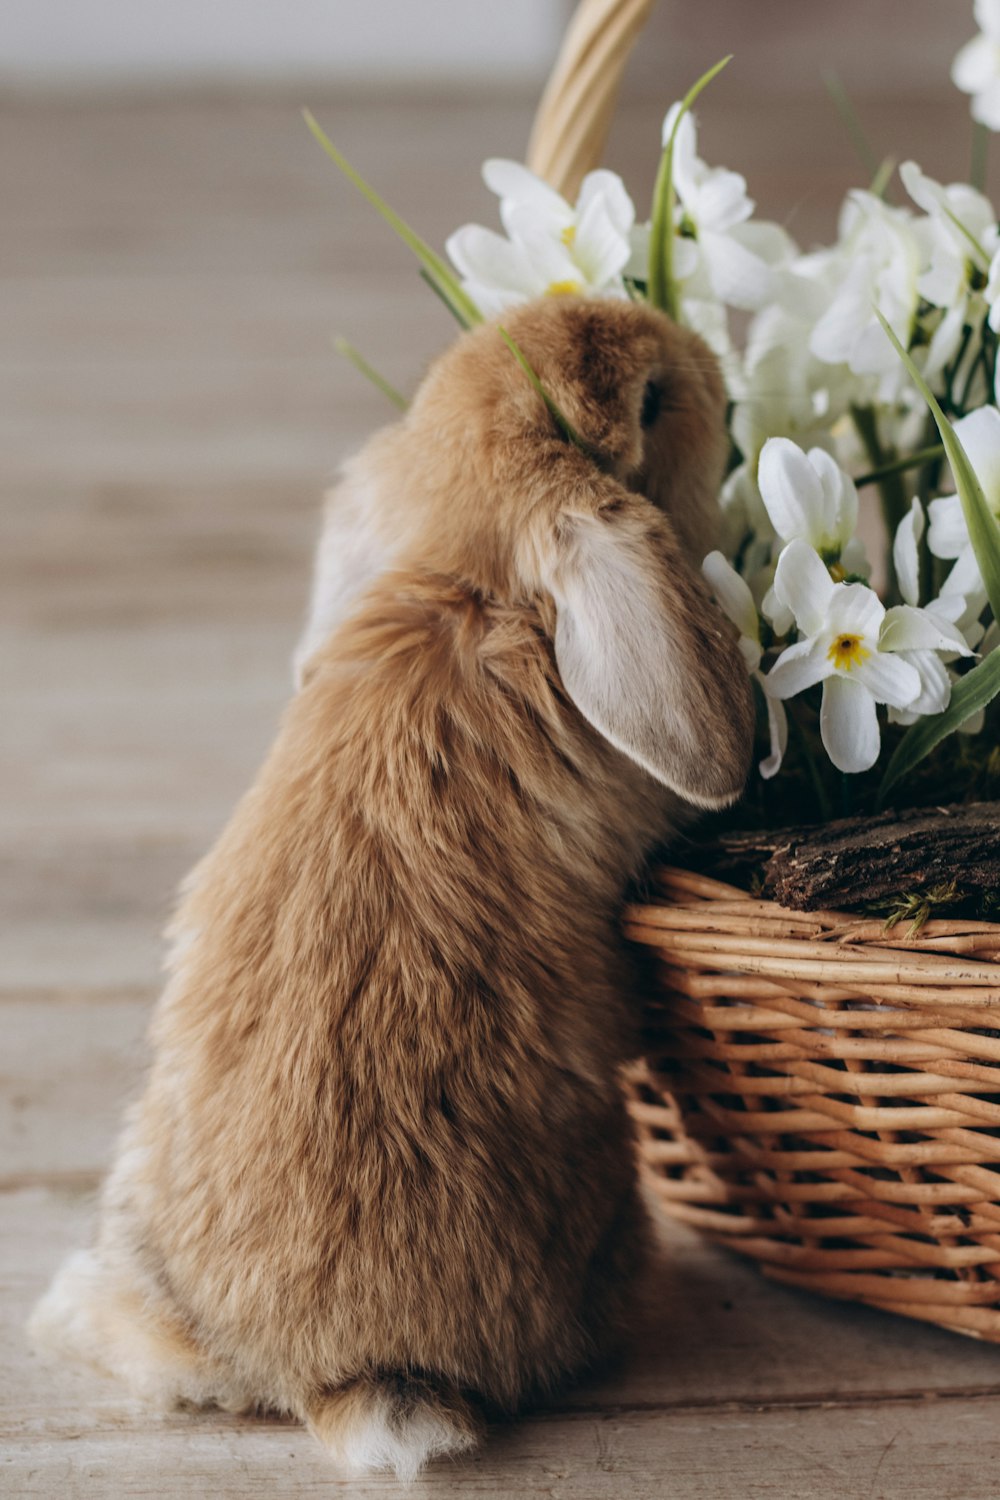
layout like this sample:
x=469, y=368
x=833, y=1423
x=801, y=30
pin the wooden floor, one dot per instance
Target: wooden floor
x=170, y=277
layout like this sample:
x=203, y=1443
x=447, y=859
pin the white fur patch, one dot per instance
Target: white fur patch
x=63, y=1322
x=90, y=1316
x=352, y=553
x=403, y=1439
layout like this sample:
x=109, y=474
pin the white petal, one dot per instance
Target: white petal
x=979, y=434
x=840, y=498
x=935, y=684
x=685, y=152
x=965, y=577
x=722, y=201
x=490, y=260
x=551, y=261
x=791, y=490
x=986, y=106
x=732, y=594
x=777, y=727
x=948, y=535
x=888, y=678
x=848, y=725
x=987, y=13
x=799, y=667
x=608, y=189
x=854, y=609
x=905, y=552
x=777, y=615
x=920, y=187
x=769, y=241
x=514, y=183
x=854, y=558
x=975, y=66
x=638, y=264
x=600, y=248
x=738, y=277
x=803, y=585
x=908, y=629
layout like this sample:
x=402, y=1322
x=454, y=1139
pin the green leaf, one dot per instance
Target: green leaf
x=357, y=359
x=971, y=693
x=851, y=121
x=880, y=182
x=443, y=296
x=983, y=530
x=444, y=281
x=561, y=420
x=661, y=288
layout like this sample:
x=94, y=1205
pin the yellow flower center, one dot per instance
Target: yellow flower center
x=563, y=288
x=838, y=572
x=846, y=651
x=568, y=235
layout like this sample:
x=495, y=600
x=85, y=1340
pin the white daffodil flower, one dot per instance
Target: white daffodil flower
x=976, y=69
x=738, y=258
x=852, y=646
x=948, y=537
x=958, y=221
x=876, y=263
x=551, y=246
x=808, y=496
x=734, y=598
x=784, y=390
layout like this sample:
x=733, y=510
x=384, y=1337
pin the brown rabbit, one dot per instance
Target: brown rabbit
x=381, y=1176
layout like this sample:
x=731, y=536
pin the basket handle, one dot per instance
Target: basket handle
x=574, y=115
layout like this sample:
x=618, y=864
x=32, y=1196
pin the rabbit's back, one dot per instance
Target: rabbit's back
x=384, y=1127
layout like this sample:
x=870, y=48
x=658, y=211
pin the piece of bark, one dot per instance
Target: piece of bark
x=854, y=861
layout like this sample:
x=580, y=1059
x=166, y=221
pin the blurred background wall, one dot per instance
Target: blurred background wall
x=144, y=41
x=881, y=45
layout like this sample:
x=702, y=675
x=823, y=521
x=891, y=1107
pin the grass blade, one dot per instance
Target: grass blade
x=444, y=298
x=558, y=416
x=851, y=122
x=661, y=288
x=444, y=280
x=357, y=359
x=973, y=692
x=983, y=530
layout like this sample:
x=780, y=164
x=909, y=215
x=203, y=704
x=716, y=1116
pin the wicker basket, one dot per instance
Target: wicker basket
x=824, y=1096
x=819, y=1095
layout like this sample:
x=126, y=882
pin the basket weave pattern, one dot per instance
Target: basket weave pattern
x=824, y=1096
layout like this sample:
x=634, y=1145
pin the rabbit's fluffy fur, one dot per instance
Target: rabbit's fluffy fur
x=381, y=1175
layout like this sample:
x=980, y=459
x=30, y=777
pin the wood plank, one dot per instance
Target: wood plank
x=67, y=1068
x=724, y=1416
x=711, y=1330
x=913, y=1451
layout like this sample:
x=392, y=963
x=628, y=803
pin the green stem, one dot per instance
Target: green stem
x=949, y=395
x=892, y=491
x=978, y=363
x=900, y=465
x=380, y=383
x=980, y=150
x=661, y=287
x=563, y=422
x=852, y=123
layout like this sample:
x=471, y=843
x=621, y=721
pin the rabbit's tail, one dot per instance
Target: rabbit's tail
x=397, y=1422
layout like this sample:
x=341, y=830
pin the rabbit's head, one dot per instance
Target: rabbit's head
x=477, y=483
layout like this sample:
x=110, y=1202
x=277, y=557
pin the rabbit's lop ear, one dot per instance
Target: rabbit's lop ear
x=645, y=655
